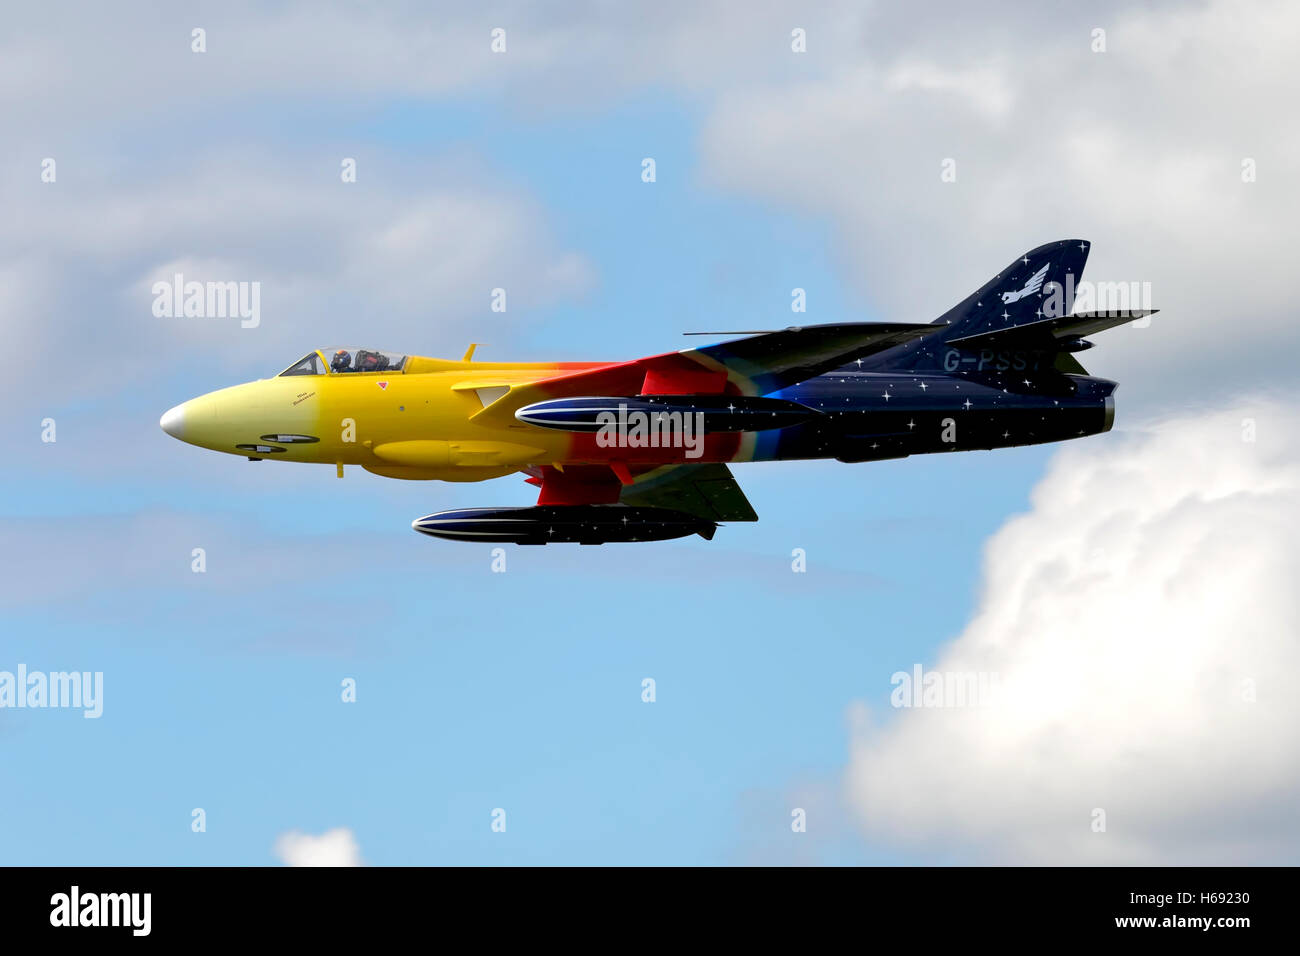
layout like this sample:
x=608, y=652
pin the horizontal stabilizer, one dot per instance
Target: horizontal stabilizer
x=1050, y=333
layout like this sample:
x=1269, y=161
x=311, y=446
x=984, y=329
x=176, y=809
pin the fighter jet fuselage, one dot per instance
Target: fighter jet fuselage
x=639, y=450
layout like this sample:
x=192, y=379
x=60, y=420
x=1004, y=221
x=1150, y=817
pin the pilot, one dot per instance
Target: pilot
x=341, y=360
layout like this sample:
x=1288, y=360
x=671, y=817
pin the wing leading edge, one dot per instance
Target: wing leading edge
x=755, y=365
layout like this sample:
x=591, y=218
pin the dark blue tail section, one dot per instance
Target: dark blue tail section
x=1037, y=285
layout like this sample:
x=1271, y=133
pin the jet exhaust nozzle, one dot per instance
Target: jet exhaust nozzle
x=1075, y=344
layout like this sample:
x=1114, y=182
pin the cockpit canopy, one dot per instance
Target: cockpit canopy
x=337, y=361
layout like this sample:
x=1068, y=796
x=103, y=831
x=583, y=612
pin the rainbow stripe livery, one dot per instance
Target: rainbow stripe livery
x=638, y=450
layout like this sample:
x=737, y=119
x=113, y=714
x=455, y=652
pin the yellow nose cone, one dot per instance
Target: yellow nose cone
x=239, y=418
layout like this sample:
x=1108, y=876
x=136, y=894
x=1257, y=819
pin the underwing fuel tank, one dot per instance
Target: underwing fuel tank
x=721, y=413
x=557, y=524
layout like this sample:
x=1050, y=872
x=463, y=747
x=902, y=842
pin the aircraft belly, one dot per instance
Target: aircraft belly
x=429, y=453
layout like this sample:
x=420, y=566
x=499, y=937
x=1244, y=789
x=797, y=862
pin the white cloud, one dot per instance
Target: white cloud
x=407, y=256
x=406, y=48
x=1151, y=585
x=1138, y=149
x=337, y=847
x=984, y=87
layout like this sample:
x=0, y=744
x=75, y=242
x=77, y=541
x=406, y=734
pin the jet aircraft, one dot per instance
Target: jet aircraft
x=639, y=450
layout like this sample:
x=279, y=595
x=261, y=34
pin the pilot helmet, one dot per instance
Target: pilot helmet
x=342, y=358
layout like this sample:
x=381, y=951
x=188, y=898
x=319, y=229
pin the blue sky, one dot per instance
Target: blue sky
x=518, y=690
x=522, y=690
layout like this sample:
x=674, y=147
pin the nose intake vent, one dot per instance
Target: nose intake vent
x=260, y=449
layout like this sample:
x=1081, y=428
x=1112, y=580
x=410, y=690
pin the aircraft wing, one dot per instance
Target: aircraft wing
x=773, y=360
x=755, y=365
x=706, y=491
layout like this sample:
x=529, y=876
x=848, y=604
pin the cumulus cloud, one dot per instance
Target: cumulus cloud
x=1139, y=149
x=337, y=847
x=353, y=52
x=1144, y=622
x=407, y=255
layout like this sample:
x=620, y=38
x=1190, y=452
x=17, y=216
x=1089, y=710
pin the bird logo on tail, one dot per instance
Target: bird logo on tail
x=1033, y=285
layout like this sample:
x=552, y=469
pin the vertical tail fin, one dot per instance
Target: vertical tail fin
x=1039, y=283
